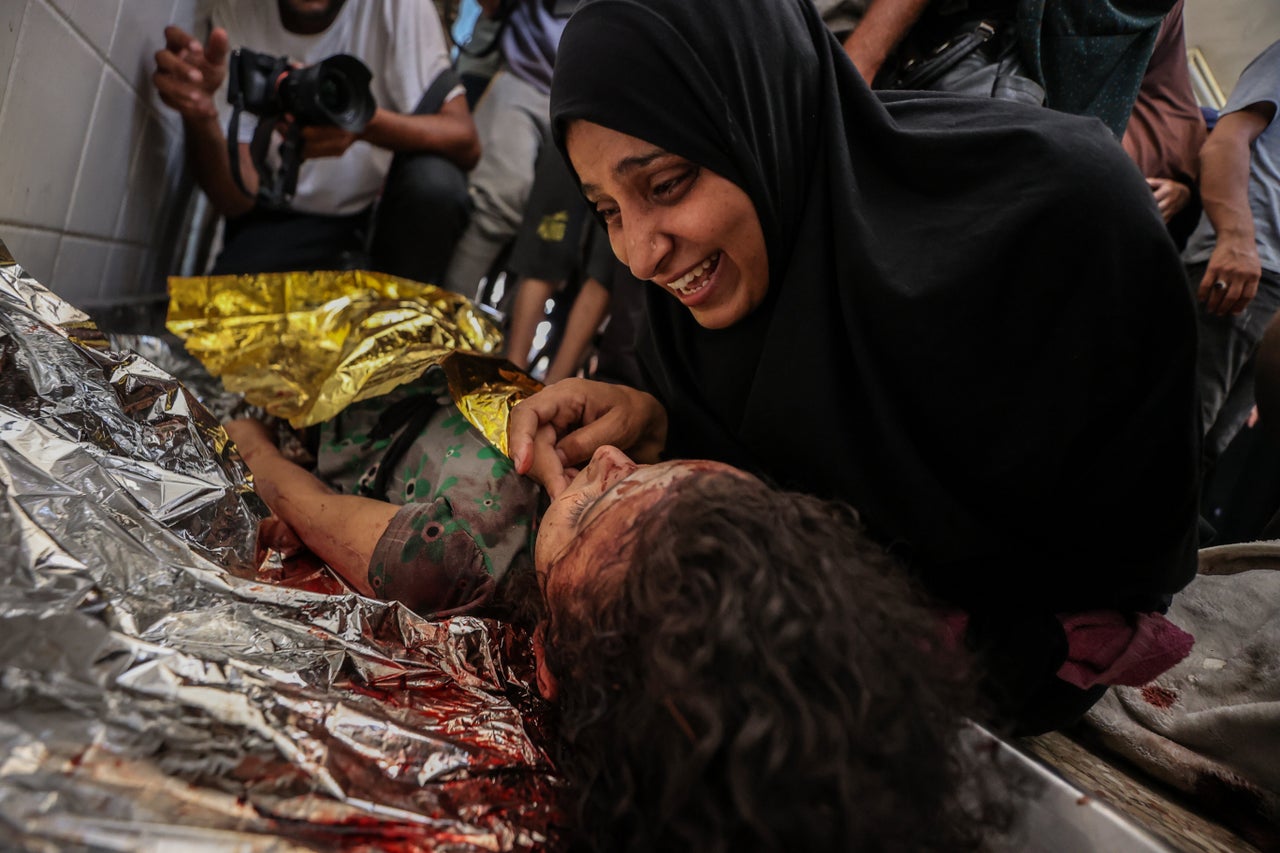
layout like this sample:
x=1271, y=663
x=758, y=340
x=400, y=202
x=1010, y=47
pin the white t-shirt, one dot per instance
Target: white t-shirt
x=404, y=46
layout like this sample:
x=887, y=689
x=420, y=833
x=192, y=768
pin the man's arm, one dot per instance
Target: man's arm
x=187, y=77
x=1224, y=189
x=451, y=133
x=882, y=28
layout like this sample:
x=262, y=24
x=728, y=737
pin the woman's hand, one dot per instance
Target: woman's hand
x=563, y=424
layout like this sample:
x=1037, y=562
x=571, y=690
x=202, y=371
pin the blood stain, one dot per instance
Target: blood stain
x=1159, y=697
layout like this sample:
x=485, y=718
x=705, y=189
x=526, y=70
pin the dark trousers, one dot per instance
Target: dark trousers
x=423, y=211
x=1224, y=363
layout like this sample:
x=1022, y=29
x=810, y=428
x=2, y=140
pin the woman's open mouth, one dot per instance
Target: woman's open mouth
x=696, y=279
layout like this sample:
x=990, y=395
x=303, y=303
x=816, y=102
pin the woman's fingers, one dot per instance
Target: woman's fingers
x=564, y=406
x=612, y=414
x=547, y=465
x=565, y=423
x=626, y=418
x=617, y=425
x=527, y=419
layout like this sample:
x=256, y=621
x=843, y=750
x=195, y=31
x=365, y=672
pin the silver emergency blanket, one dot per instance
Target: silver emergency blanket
x=160, y=690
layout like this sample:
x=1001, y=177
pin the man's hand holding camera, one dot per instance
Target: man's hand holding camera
x=331, y=96
x=320, y=141
x=188, y=73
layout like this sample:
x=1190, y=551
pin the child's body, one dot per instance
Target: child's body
x=407, y=501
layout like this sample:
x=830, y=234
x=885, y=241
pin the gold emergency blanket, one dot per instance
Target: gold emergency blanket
x=159, y=690
x=485, y=390
x=304, y=346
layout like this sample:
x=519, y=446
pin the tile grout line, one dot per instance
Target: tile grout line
x=78, y=235
x=84, y=152
x=13, y=61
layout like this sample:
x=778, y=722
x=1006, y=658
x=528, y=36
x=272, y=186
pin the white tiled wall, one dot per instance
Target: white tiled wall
x=92, y=186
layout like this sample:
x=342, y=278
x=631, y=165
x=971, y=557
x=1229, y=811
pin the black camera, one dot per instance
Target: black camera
x=332, y=92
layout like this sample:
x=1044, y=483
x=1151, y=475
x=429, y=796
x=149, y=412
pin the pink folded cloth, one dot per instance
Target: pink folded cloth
x=1109, y=647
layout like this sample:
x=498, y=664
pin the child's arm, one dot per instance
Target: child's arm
x=342, y=530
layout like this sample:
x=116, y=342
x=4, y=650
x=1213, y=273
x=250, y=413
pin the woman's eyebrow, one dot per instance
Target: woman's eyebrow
x=625, y=166
x=638, y=161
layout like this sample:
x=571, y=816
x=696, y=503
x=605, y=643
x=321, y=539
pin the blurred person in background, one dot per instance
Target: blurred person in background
x=413, y=153
x=1233, y=257
x=1167, y=128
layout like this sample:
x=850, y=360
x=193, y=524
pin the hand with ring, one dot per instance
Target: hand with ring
x=1231, y=277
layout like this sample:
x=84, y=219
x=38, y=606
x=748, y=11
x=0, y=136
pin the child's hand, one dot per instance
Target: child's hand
x=275, y=535
x=249, y=435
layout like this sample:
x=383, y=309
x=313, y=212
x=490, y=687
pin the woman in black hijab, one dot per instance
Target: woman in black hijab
x=961, y=316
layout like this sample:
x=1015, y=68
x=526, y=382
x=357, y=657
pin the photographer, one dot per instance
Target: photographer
x=419, y=141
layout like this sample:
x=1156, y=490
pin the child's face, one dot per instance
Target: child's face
x=588, y=527
x=589, y=524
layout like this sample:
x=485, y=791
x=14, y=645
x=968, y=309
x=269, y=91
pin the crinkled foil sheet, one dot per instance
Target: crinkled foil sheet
x=485, y=390
x=159, y=691
x=304, y=346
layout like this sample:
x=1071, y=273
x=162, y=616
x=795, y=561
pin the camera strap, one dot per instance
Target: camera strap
x=276, y=187
x=233, y=130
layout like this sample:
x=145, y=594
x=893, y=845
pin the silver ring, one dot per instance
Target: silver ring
x=1219, y=285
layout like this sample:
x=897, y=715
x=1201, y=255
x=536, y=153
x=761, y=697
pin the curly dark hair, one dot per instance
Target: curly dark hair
x=755, y=674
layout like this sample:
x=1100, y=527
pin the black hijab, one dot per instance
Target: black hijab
x=977, y=331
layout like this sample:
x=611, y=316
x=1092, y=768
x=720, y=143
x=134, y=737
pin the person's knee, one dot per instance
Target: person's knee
x=423, y=213
x=426, y=186
x=499, y=202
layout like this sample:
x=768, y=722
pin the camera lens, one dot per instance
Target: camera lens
x=333, y=93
